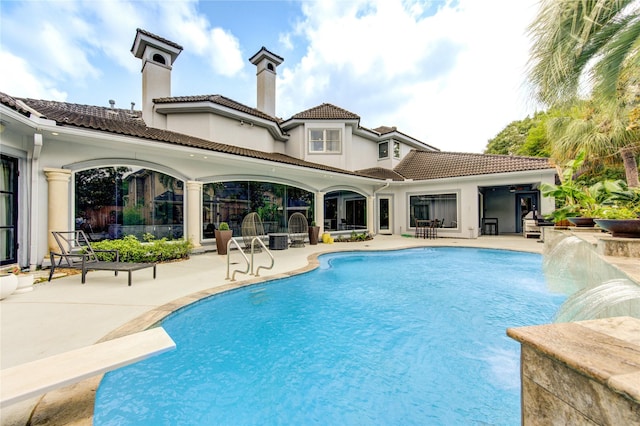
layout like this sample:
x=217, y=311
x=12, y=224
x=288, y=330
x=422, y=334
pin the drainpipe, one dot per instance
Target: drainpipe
x=33, y=225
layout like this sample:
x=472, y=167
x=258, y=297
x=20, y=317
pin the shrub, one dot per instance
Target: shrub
x=224, y=226
x=132, y=250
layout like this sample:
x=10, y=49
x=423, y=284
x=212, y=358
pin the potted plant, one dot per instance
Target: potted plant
x=314, y=233
x=223, y=235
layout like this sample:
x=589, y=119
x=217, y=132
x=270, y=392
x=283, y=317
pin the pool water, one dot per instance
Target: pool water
x=402, y=337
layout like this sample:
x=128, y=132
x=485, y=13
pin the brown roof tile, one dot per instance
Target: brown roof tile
x=326, y=112
x=220, y=100
x=123, y=122
x=381, y=173
x=157, y=37
x=424, y=165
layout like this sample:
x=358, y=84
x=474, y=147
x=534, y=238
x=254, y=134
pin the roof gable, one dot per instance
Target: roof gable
x=326, y=112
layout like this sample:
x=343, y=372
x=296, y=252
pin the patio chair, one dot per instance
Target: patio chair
x=252, y=227
x=298, y=229
x=76, y=253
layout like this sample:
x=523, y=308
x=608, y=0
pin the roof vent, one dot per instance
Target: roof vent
x=112, y=103
x=133, y=104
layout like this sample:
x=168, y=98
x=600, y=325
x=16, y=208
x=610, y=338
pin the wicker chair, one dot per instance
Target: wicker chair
x=252, y=227
x=298, y=229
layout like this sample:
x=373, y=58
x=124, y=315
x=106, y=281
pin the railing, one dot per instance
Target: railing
x=249, y=263
x=266, y=250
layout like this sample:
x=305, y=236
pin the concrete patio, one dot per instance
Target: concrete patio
x=64, y=315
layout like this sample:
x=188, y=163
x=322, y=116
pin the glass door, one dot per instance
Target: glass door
x=8, y=210
x=384, y=215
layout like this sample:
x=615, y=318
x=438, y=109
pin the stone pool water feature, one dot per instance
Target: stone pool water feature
x=585, y=372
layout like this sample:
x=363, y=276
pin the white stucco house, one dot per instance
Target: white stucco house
x=182, y=165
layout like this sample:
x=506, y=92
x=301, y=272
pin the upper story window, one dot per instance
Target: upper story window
x=396, y=149
x=324, y=140
x=383, y=150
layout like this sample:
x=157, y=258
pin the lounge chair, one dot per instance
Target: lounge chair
x=76, y=253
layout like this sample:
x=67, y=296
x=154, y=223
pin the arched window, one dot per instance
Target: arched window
x=270, y=66
x=274, y=202
x=159, y=59
x=111, y=202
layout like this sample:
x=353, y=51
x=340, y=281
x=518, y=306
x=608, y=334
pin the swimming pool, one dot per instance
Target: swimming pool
x=405, y=337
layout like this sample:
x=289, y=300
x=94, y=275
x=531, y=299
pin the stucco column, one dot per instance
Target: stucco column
x=318, y=216
x=194, y=212
x=58, y=203
x=371, y=226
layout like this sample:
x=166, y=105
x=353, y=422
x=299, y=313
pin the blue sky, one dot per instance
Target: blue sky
x=448, y=72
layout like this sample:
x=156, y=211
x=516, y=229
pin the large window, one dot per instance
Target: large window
x=434, y=206
x=324, y=140
x=112, y=202
x=231, y=201
x=345, y=210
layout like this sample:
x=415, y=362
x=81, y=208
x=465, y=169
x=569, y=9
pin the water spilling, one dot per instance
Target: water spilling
x=618, y=297
x=572, y=266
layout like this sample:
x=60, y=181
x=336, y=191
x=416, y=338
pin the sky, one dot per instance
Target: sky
x=451, y=73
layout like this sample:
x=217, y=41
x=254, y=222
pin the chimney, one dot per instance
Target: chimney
x=157, y=55
x=266, y=63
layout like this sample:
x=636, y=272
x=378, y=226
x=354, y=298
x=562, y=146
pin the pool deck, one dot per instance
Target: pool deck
x=64, y=314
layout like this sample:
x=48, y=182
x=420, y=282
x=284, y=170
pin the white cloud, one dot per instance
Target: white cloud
x=17, y=79
x=450, y=77
x=226, y=56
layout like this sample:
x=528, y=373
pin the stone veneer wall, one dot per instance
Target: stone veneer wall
x=581, y=373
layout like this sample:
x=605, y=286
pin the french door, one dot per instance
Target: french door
x=8, y=210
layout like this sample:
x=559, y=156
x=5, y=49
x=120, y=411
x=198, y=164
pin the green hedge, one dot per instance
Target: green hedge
x=132, y=250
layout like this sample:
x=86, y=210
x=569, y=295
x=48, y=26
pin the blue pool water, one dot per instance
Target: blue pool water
x=405, y=337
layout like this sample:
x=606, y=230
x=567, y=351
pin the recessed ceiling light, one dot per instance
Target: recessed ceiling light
x=55, y=133
x=191, y=155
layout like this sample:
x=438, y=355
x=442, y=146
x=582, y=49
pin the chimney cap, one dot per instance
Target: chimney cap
x=264, y=53
x=145, y=39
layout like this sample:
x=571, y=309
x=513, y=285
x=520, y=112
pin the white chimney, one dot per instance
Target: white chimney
x=266, y=63
x=157, y=55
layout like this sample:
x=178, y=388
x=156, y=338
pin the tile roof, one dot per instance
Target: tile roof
x=157, y=37
x=220, y=100
x=123, y=122
x=381, y=173
x=385, y=129
x=424, y=165
x=326, y=112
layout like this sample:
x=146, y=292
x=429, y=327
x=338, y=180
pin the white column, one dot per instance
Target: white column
x=194, y=212
x=58, y=203
x=319, y=211
x=371, y=226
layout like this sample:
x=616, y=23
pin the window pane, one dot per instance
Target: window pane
x=316, y=146
x=437, y=206
x=383, y=150
x=112, y=202
x=396, y=149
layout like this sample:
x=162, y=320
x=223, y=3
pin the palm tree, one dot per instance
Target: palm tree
x=597, y=41
x=599, y=129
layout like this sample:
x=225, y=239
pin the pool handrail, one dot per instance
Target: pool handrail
x=266, y=250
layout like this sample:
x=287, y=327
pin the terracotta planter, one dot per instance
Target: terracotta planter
x=623, y=228
x=582, y=222
x=222, y=238
x=314, y=232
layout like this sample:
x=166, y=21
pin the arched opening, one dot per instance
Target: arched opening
x=270, y=67
x=345, y=210
x=111, y=202
x=159, y=59
x=231, y=201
